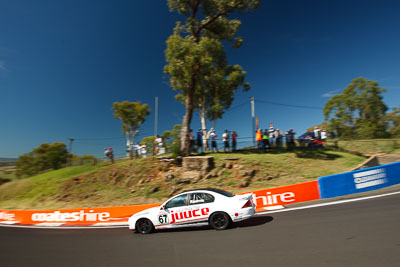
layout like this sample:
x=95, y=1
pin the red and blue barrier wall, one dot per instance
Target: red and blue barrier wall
x=266, y=199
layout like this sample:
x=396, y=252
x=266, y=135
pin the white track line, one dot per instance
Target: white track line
x=329, y=203
x=62, y=227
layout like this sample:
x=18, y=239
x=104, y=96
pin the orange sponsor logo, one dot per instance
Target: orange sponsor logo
x=286, y=195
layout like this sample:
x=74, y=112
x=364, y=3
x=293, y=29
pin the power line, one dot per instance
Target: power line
x=236, y=107
x=288, y=105
x=108, y=138
x=98, y=139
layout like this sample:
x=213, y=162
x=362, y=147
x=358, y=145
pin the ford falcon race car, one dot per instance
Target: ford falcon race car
x=199, y=207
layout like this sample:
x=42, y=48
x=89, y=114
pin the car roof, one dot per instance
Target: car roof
x=215, y=190
x=306, y=133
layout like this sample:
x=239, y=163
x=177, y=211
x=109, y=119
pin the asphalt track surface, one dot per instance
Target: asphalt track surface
x=362, y=233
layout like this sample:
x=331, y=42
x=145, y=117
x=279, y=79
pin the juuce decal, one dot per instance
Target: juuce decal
x=188, y=214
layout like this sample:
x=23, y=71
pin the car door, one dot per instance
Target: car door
x=172, y=210
x=200, y=206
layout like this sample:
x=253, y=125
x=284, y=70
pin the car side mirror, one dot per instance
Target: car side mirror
x=162, y=208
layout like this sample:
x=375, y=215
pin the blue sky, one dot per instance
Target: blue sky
x=64, y=63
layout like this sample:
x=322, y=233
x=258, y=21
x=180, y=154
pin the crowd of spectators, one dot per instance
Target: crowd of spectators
x=265, y=139
x=201, y=142
x=273, y=137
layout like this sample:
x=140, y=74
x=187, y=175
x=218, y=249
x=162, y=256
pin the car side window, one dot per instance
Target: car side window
x=178, y=201
x=208, y=198
x=199, y=198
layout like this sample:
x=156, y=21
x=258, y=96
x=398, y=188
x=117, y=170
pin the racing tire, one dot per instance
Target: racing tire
x=220, y=220
x=144, y=226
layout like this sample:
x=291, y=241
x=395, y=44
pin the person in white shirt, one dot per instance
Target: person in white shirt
x=225, y=138
x=317, y=133
x=158, y=143
x=214, y=146
x=323, y=135
x=143, y=150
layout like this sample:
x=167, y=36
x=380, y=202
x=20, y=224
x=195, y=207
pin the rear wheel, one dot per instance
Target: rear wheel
x=219, y=220
x=144, y=226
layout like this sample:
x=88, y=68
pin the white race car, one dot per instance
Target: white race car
x=195, y=208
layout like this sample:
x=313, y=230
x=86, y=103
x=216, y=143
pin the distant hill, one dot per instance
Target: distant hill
x=8, y=159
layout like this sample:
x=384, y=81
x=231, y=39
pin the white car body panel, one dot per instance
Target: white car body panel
x=196, y=212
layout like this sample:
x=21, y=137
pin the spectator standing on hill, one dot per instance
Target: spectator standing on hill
x=259, y=139
x=276, y=135
x=292, y=134
x=137, y=150
x=158, y=144
x=199, y=139
x=108, y=152
x=234, y=136
x=143, y=150
x=213, y=136
x=225, y=138
x=317, y=133
x=287, y=137
x=271, y=134
x=290, y=139
x=265, y=137
x=281, y=139
x=323, y=135
x=278, y=138
x=191, y=138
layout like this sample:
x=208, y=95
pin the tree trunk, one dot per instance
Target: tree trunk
x=187, y=119
x=204, y=126
x=185, y=140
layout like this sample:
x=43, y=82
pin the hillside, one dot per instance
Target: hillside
x=149, y=180
x=7, y=169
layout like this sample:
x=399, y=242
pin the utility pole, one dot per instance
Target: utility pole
x=156, y=118
x=253, y=118
x=70, y=150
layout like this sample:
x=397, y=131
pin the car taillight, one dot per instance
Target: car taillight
x=248, y=204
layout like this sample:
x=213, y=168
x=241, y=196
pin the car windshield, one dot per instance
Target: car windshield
x=178, y=201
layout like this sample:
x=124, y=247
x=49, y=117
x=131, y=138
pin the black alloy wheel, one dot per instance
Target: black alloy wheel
x=144, y=226
x=220, y=220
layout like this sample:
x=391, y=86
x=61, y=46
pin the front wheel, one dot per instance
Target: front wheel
x=219, y=220
x=144, y=226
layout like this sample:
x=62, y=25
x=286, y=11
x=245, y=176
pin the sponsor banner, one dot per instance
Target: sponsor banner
x=360, y=180
x=266, y=199
x=71, y=216
x=269, y=199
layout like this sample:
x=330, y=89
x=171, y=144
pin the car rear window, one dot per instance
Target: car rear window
x=224, y=193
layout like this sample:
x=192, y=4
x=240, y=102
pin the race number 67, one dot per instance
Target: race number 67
x=163, y=218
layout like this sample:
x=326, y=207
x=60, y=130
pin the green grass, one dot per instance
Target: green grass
x=285, y=168
x=31, y=191
x=8, y=172
x=132, y=182
x=370, y=147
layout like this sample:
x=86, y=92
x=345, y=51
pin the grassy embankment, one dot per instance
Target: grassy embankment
x=7, y=171
x=143, y=180
x=370, y=147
